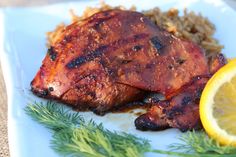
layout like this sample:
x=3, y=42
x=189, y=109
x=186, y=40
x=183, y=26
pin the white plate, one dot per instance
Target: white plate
x=22, y=48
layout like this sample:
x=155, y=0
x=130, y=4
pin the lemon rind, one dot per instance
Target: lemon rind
x=225, y=74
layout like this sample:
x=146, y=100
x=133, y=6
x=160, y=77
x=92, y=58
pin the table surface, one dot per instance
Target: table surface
x=4, y=151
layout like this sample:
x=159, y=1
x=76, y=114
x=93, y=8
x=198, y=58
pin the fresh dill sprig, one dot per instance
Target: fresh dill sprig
x=194, y=154
x=52, y=115
x=199, y=141
x=93, y=140
x=73, y=136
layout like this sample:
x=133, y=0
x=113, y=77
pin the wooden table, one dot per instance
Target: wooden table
x=4, y=151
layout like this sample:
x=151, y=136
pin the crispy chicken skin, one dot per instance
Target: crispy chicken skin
x=113, y=58
x=182, y=110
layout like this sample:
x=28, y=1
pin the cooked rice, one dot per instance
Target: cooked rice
x=190, y=26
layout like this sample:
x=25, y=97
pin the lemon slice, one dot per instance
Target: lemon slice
x=230, y=59
x=218, y=105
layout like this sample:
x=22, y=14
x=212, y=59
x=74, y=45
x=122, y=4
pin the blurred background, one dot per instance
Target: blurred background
x=4, y=3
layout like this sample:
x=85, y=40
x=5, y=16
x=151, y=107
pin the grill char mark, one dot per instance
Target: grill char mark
x=90, y=56
x=155, y=42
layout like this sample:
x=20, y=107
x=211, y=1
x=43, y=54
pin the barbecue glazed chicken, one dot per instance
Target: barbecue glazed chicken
x=116, y=57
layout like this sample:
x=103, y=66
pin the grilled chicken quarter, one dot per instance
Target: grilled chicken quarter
x=116, y=57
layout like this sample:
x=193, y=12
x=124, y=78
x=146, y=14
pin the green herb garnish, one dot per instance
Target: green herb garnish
x=73, y=136
x=198, y=141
